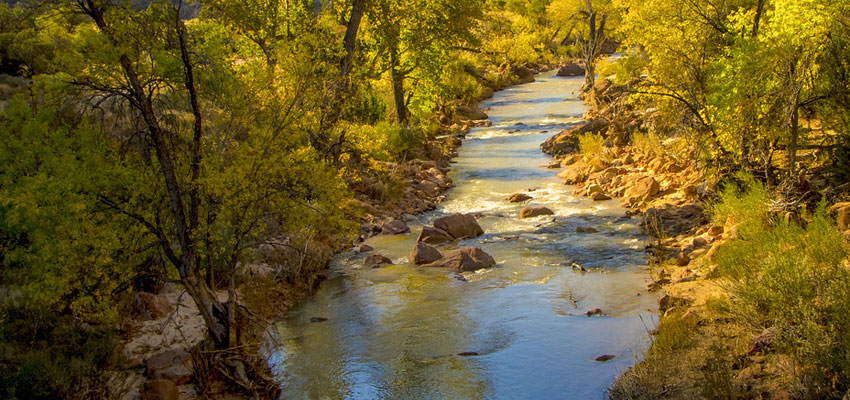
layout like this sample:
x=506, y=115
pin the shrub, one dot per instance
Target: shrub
x=648, y=143
x=793, y=279
x=624, y=69
x=48, y=356
x=591, y=143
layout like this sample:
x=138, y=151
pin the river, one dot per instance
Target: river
x=395, y=332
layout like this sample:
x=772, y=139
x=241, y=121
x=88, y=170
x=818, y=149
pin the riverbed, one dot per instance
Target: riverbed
x=517, y=330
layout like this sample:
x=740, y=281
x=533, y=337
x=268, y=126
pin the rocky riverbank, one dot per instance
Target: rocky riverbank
x=664, y=187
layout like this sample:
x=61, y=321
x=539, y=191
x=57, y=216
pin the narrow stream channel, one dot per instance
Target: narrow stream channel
x=395, y=332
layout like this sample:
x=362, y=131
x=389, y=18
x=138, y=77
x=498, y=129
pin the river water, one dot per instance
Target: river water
x=395, y=332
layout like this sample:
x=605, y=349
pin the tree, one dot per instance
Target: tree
x=219, y=147
x=593, y=16
x=413, y=38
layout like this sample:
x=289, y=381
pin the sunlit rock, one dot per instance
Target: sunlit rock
x=459, y=226
x=467, y=259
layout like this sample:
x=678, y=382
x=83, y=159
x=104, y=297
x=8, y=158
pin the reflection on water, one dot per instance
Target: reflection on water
x=397, y=331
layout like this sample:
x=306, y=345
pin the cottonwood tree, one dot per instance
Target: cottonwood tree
x=590, y=20
x=412, y=39
x=219, y=148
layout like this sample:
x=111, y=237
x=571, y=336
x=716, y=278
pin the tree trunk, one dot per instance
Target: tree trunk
x=351, y=36
x=213, y=312
x=794, y=130
x=398, y=89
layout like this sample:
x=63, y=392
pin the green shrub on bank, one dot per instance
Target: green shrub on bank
x=49, y=356
x=591, y=143
x=791, y=279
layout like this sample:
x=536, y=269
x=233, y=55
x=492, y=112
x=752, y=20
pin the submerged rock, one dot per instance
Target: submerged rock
x=535, y=211
x=518, y=198
x=459, y=226
x=376, y=260
x=467, y=259
x=424, y=254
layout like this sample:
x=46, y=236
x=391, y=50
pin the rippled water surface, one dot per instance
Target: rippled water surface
x=395, y=332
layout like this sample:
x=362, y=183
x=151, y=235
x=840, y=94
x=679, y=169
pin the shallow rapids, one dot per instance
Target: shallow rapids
x=395, y=332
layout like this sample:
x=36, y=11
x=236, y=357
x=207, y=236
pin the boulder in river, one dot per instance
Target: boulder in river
x=376, y=260
x=432, y=235
x=466, y=259
x=395, y=227
x=571, y=69
x=518, y=198
x=459, y=226
x=424, y=254
x=534, y=211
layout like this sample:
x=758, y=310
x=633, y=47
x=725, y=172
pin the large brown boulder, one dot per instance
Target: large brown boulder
x=459, y=226
x=160, y=389
x=467, y=259
x=469, y=113
x=536, y=211
x=424, y=254
x=523, y=74
x=644, y=188
x=671, y=221
x=841, y=213
x=394, y=227
x=572, y=69
x=566, y=142
x=152, y=306
x=173, y=365
x=433, y=235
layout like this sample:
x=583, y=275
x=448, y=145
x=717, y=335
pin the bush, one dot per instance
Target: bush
x=48, y=356
x=648, y=143
x=591, y=143
x=624, y=69
x=793, y=279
